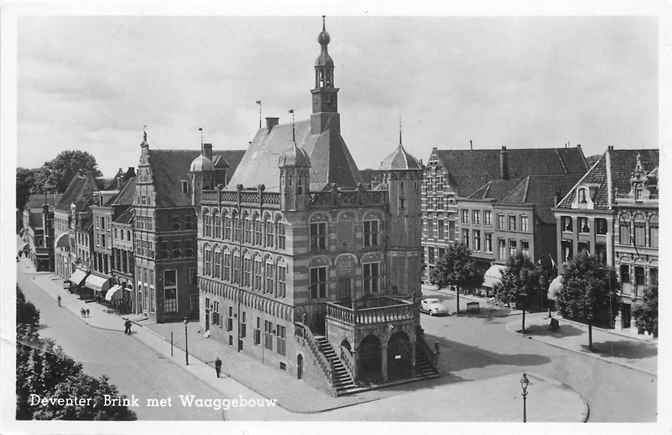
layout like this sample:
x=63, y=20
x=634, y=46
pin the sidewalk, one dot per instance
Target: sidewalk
x=620, y=349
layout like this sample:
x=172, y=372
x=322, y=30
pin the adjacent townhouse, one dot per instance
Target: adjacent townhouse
x=37, y=230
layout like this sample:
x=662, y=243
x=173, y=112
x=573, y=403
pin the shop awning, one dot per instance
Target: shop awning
x=493, y=275
x=97, y=283
x=115, y=289
x=554, y=288
x=77, y=277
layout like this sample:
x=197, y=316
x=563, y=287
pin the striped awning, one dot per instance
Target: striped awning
x=97, y=283
x=554, y=288
x=493, y=275
x=114, y=290
x=77, y=277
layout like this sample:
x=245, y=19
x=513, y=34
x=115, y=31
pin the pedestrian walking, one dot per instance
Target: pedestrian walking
x=88, y=313
x=218, y=366
x=127, y=329
x=82, y=312
x=59, y=300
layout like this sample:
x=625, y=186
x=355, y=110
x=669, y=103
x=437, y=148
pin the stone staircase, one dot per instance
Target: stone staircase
x=423, y=368
x=343, y=382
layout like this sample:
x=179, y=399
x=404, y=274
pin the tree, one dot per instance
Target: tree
x=519, y=283
x=455, y=268
x=646, y=311
x=60, y=171
x=588, y=293
x=26, y=313
x=25, y=185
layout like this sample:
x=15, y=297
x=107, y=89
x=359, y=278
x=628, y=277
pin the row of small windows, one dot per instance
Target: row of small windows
x=504, y=222
x=318, y=283
x=637, y=232
x=266, y=276
x=251, y=231
x=438, y=202
x=319, y=234
x=441, y=229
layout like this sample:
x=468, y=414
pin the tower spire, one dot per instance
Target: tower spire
x=291, y=116
x=200, y=130
x=324, y=27
x=400, y=128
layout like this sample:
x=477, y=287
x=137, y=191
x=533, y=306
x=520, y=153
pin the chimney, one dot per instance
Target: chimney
x=503, y=163
x=471, y=145
x=610, y=148
x=207, y=150
x=270, y=123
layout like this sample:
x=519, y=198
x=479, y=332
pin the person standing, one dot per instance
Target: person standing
x=218, y=366
x=127, y=325
x=59, y=300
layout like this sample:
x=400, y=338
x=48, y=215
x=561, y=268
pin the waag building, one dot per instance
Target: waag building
x=304, y=268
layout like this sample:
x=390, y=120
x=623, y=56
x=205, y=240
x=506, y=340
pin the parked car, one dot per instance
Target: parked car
x=433, y=307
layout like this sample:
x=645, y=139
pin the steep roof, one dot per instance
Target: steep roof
x=494, y=189
x=36, y=200
x=470, y=169
x=620, y=167
x=126, y=217
x=79, y=191
x=169, y=167
x=126, y=194
x=330, y=158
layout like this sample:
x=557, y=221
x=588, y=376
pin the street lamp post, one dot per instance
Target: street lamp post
x=186, y=342
x=524, y=382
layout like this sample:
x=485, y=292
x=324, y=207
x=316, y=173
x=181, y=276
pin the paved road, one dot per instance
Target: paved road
x=131, y=366
x=475, y=347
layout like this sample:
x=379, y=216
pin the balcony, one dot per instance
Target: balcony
x=371, y=311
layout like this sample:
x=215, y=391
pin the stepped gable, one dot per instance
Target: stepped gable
x=470, y=169
x=170, y=167
x=622, y=163
x=330, y=158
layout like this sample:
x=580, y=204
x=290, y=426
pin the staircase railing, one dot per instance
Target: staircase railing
x=304, y=332
x=432, y=356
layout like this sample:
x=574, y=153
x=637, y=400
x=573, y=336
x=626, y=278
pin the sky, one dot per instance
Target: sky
x=92, y=83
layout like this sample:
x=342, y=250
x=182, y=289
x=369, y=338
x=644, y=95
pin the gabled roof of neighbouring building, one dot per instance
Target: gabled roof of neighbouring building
x=126, y=194
x=330, y=158
x=618, y=168
x=126, y=217
x=79, y=192
x=170, y=167
x=470, y=169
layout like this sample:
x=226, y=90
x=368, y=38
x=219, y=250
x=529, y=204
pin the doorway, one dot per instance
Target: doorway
x=398, y=356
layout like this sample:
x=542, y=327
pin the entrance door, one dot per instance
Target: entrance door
x=398, y=356
x=625, y=315
x=299, y=366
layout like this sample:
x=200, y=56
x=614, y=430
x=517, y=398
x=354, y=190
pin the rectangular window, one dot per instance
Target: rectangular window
x=600, y=226
x=465, y=237
x=465, y=216
x=430, y=255
x=430, y=227
x=566, y=223
x=442, y=252
x=371, y=275
x=236, y=269
x=582, y=222
x=513, y=247
x=567, y=250
x=370, y=233
x=451, y=230
x=525, y=248
x=268, y=335
x=269, y=234
x=583, y=247
x=653, y=234
x=625, y=273
x=501, y=249
x=488, y=242
x=653, y=277
x=247, y=228
x=269, y=278
x=477, y=240
x=281, y=334
x=524, y=223
x=170, y=291
x=487, y=217
x=441, y=229
x=217, y=264
x=257, y=274
x=639, y=275
x=257, y=232
x=640, y=230
x=476, y=217
x=500, y=222
x=624, y=227
x=318, y=282
x=243, y=325
x=318, y=236
x=512, y=223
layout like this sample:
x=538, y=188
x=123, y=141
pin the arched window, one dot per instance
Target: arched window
x=257, y=273
x=257, y=230
x=217, y=263
x=640, y=230
x=269, y=272
x=269, y=231
x=226, y=221
x=207, y=229
x=282, y=279
x=226, y=265
x=247, y=229
x=653, y=232
x=217, y=223
x=247, y=271
x=207, y=260
x=235, y=265
x=624, y=230
x=234, y=226
x=280, y=230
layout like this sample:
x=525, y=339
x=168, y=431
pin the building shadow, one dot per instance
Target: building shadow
x=623, y=349
x=543, y=330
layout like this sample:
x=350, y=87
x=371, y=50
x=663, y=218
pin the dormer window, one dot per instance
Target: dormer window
x=638, y=192
x=184, y=186
x=582, y=196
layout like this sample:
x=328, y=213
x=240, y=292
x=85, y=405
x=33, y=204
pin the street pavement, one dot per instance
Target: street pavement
x=477, y=346
x=141, y=364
